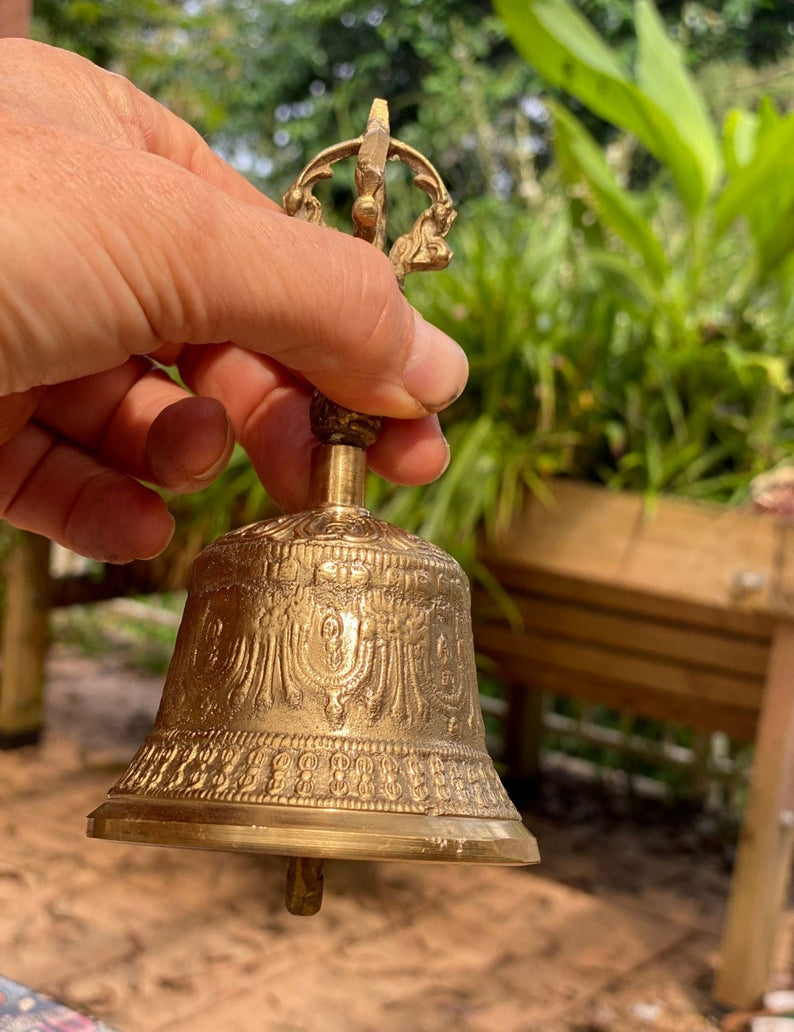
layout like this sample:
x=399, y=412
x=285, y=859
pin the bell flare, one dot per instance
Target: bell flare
x=327, y=833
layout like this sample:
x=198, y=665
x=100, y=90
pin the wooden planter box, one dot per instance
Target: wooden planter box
x=683, y=612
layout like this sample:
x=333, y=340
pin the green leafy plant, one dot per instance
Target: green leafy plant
x=719, y=179
x=640, y=337
x=705, y=253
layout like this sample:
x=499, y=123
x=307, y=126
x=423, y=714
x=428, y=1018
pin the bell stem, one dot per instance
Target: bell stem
x=304, y=885
x=338, y=475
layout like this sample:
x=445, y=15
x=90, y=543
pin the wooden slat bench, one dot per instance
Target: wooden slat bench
x=682, y=612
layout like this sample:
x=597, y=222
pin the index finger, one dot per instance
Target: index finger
x=269, y=411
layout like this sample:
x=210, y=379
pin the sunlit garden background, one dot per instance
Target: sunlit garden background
x=623, y=271
x=623, y=284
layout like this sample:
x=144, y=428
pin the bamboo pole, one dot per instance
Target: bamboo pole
x=25, y=637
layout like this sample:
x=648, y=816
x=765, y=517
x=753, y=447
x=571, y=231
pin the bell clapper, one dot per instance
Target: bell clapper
x=304, y=885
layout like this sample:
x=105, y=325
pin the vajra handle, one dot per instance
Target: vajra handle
x=423, y=248
x=339, y=462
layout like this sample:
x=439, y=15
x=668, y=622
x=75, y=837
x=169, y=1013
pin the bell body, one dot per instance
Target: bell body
x=322, y=702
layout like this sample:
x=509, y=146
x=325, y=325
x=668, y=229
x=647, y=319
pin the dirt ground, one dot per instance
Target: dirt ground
x=616, y=931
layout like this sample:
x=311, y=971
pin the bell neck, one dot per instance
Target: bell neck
x=338, y=475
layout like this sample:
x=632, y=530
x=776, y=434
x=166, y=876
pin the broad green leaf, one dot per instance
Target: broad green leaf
x=739, y=135
x=776, y=367
x=569, y=33
x=662, y=75
x=768, y=116
x=581, y=158
x=565, y=50
x=763, y=193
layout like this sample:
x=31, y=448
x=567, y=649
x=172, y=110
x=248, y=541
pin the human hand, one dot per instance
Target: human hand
x=126, y=240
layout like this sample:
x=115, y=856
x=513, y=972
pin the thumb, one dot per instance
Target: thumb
x=321, y=303
x=328, y=306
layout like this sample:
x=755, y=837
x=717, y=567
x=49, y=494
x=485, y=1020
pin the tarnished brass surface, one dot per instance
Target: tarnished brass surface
x=334, y=424
x=339, y=475
x=322, y=699
x=317, y=832
x=304, y=885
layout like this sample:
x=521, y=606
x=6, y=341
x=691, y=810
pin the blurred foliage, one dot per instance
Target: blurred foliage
x=640, y=337
x=727, y=84
x=135, y=637
x=271, y=82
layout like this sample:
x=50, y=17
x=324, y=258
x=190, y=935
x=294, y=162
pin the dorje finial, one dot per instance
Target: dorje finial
x=424, y=246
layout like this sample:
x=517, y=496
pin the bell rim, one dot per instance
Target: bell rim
x=332, y=834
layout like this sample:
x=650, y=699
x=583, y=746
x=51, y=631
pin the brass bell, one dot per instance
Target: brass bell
x=322, y=699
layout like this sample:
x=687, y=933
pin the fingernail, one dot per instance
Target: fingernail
x=217, y=467
x=448, y=459
x=437, y=368
x=155, y=550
